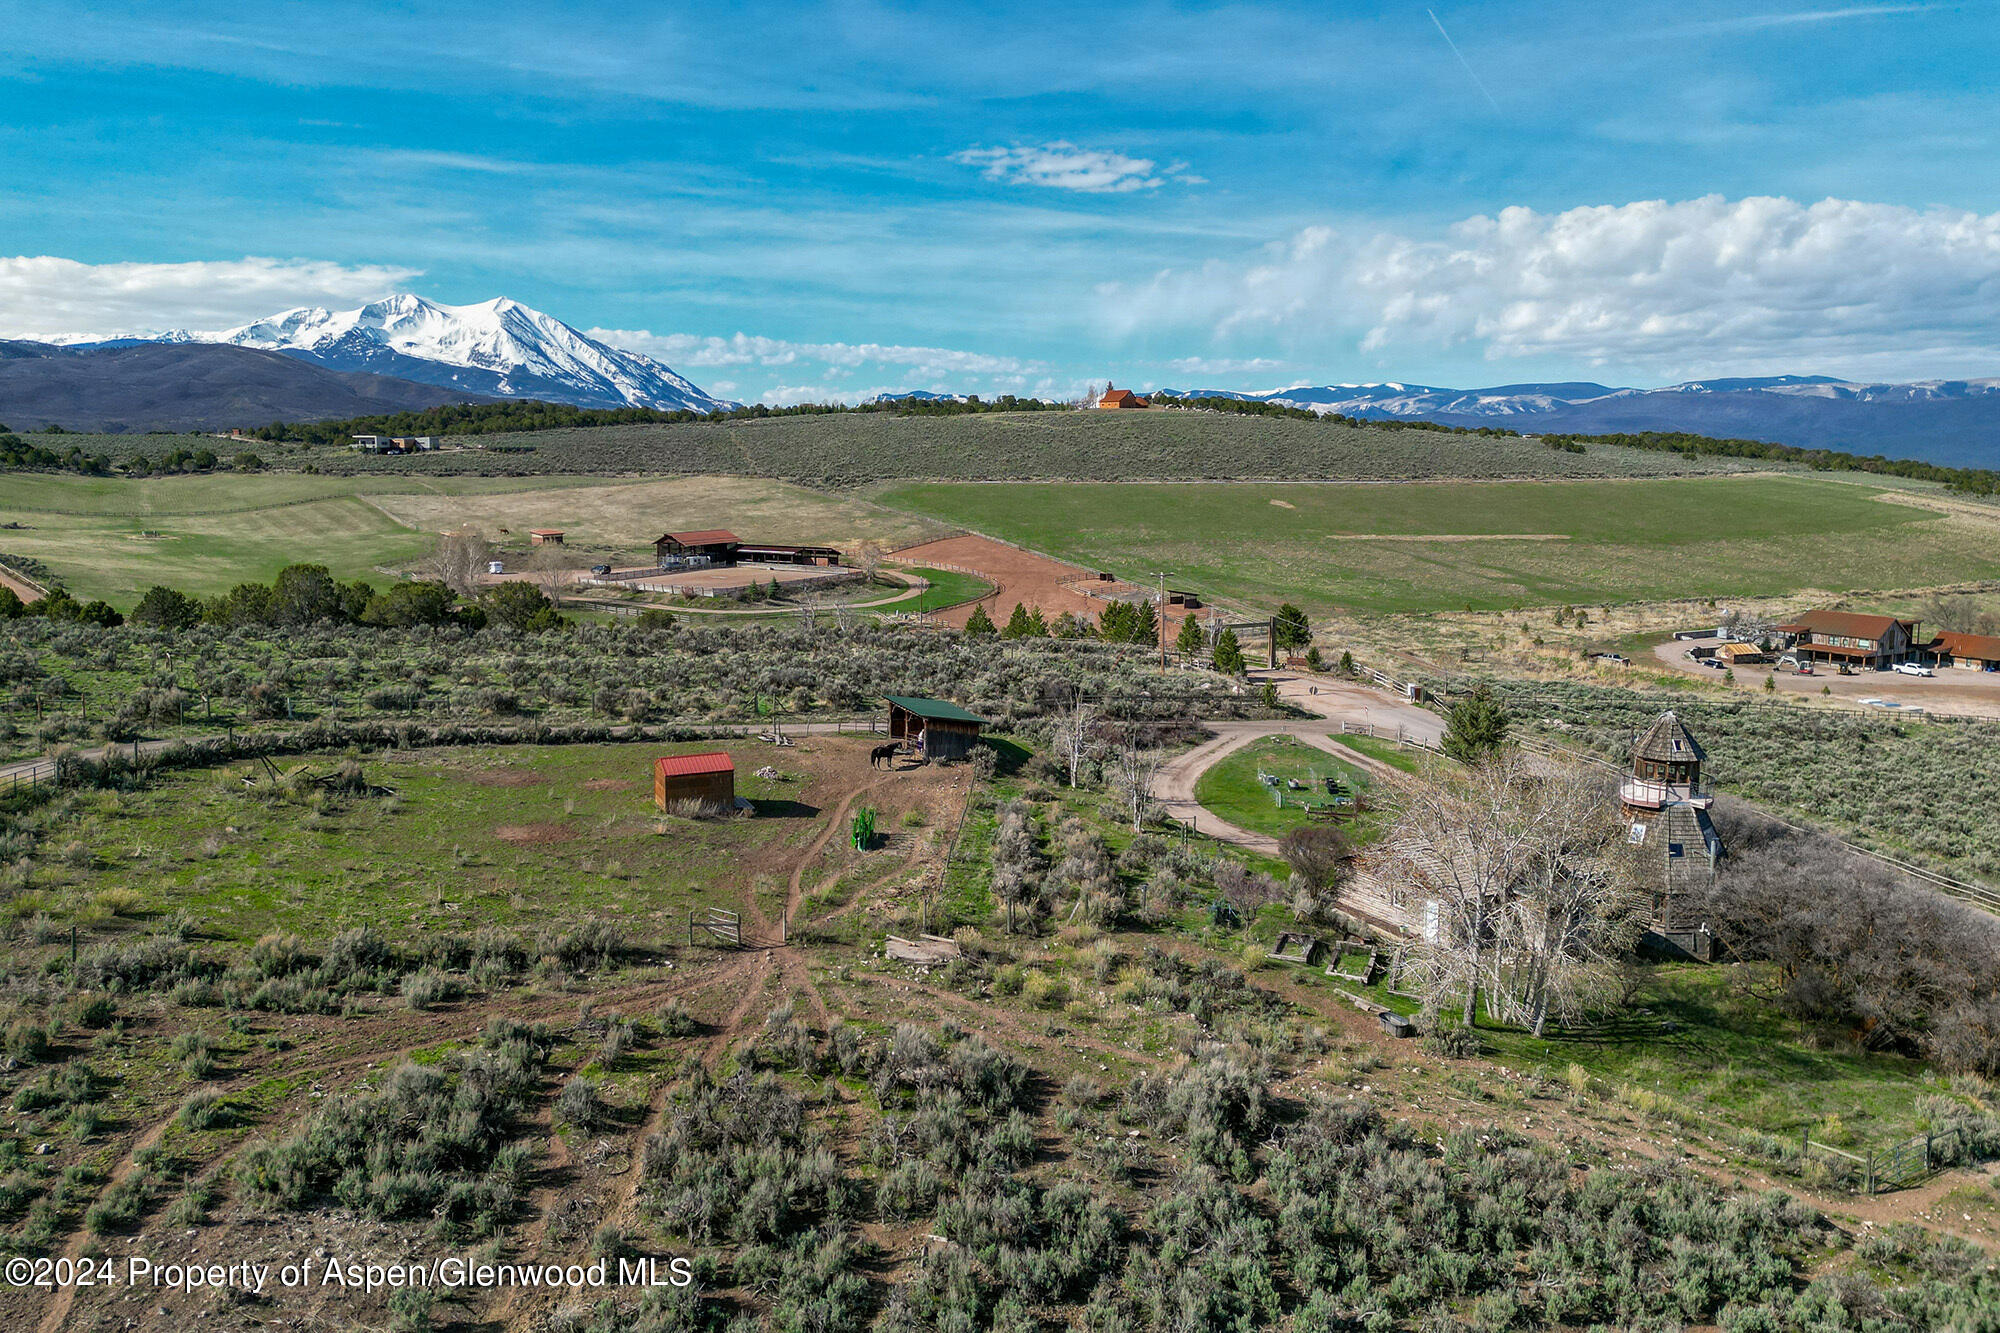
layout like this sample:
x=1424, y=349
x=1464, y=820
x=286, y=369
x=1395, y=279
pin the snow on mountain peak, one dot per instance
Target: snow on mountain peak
x=496, y=347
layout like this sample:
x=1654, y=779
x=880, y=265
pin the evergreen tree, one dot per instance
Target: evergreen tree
x=1228, y=654
x=1145, y=623
x=1475, y=728
x=1038, y=628
x=1346, y=663
x=1114, y=623
x=1292, y=628
x=168, y=608
x=1018, y=624
x=980, y=625
x=1190, y=641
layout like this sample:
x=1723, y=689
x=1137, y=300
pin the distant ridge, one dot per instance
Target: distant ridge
x=1952, y=422
x=185, y=386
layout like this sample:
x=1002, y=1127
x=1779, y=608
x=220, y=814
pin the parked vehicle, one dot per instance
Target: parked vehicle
x=1806, y=669
x=1912, y=669
x=599, y=571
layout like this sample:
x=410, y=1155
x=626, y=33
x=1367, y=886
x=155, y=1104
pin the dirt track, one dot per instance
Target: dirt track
x=1335, y=701
x=1016, y=575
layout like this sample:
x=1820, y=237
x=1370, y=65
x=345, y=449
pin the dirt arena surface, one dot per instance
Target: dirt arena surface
x=1016, y=575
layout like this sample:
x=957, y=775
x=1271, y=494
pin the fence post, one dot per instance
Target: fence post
x=1927, y=1150
x=1869, y=1184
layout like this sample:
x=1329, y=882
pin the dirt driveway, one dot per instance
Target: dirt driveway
x=1016, y=575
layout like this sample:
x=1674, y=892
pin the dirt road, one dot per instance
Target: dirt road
x=1335, y=701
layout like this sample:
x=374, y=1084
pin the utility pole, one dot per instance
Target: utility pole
x=1162, y=576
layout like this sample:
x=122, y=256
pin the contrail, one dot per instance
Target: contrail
x=1462, y=60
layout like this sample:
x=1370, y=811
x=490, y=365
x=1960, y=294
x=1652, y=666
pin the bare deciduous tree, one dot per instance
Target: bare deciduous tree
x=1072, y=733
x=552, y=571
x=1529, y=894
x=1132, y=772
x=460, y=558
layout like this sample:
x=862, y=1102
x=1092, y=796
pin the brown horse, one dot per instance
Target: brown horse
x=884, y=755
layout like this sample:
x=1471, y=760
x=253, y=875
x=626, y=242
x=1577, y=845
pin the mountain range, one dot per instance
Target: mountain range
x=422, y=353
x=1954, y=422
x=406, y=352
x=188, y=387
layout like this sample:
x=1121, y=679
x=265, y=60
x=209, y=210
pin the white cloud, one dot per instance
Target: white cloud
x=1226, y=365
x=1064, y=166
x=833, y=366
x=1798, y=17
x=1709, y=282
x=43, y=297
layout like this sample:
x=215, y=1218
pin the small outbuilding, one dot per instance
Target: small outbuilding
x=709, y=778
x=1968, y=652
x=939, y=730
x=545, y=536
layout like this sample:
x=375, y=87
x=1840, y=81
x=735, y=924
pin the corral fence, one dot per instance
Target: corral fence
x=1900, y=1165
x=661, y=581
x=27, y=777
x=19, y=577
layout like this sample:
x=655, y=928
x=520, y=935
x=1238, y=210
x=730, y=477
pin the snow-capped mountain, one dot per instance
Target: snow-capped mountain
x=500, y=348
x=1945, y=421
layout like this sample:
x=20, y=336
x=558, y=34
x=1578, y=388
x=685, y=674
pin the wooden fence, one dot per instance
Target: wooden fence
x=26, y=777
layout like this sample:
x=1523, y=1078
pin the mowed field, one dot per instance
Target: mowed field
x=114, y=538
x=1447, y=546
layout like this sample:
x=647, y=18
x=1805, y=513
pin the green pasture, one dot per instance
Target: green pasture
x=515, y=837
x=1384, y=751
x=1232, y=790
x=1419, y=547
x=115, y=537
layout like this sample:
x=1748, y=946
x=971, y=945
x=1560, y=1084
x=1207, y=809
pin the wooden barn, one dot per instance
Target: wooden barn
x=938, y=729
x=712, y=546
x=1120, y=399
x=709, y=778
x=545, y=536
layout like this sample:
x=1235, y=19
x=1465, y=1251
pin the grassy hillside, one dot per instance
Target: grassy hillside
x=209, y=533
x=1090, y=446
x=1446, y=546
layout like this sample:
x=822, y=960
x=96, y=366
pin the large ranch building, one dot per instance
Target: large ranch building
x=1865, y=641
x=720, y=547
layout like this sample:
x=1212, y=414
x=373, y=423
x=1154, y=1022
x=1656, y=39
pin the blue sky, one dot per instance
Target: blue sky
x=798, y=201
